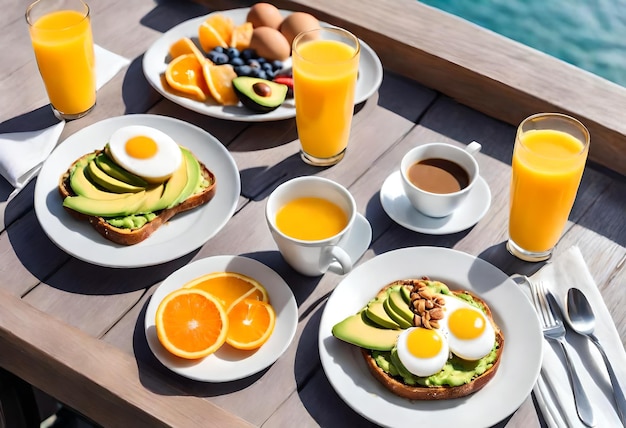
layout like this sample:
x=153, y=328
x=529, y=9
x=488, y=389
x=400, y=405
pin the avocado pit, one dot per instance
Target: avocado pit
x=259, y=95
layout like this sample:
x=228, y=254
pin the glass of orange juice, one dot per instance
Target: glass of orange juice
x=548, y=162
x=60, y=32
x=325, y=68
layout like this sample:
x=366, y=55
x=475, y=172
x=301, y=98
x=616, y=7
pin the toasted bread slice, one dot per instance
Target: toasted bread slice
x=396, y=386
x=124, y=236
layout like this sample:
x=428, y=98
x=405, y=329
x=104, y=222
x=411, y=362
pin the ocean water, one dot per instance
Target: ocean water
x=590, y=34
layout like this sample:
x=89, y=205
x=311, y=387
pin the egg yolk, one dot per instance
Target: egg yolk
x=424, y=343
x=141, y=147
x=466, y=323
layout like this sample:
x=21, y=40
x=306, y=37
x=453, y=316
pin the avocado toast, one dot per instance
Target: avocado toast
x=123, y=207
x=380, y=328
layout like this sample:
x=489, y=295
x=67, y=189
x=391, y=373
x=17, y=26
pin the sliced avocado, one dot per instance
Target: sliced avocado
x=110, y=183
x=106, y=164
x=376, y=312
x=406, y=294
x=82, y=186
x=173, y=188
x=360, y=331
x=151, y=200
x=399, y=306
x=259, y=95
x=193, y=176
x=402, y=322
x=103, y=208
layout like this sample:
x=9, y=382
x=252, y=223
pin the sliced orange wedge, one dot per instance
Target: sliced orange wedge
x=250, y=324
x=222, y=24
x=242, y=34
x=229, y=287
x=219, y=80
x=185, y=74
x=186, y=46
x=210, y=38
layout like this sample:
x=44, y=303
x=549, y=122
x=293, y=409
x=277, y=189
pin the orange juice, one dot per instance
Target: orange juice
x=311, y=219
x=63, y=46
x=325, y=73
x=547, y=169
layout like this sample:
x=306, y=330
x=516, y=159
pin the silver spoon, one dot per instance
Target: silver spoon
x=582, y=320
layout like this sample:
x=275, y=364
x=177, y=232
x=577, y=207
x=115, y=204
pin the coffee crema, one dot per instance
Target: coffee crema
x=311, y=219
x=436, y=175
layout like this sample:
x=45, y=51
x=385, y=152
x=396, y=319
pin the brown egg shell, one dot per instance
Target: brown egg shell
x=296, y=23
x=264, y=15
x=270, y=44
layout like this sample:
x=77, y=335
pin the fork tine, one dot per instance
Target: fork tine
x=547, y=311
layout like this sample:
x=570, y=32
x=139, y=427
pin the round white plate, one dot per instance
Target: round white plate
x=228, y=364
x=155, y=62
x=521, y=358
x=180, y=235
x=399, y=208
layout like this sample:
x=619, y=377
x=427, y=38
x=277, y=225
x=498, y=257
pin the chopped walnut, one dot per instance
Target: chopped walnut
x=426, y=305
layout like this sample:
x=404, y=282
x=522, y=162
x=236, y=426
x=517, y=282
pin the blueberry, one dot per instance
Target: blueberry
x=270, y=74
x=243, y=70
x=277, y=64
x=247, y=54
x=237, y=61
x=254, y=63
x=266, y=66
x=218, y=49
x=232, y=53
x=218, y=58
x=261, y=60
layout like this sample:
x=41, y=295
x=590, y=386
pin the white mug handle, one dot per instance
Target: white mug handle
x=473, y=147
x=342, y=263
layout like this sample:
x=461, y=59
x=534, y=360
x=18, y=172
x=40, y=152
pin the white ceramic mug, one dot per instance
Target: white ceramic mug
x=439, y=204
x=312, y=258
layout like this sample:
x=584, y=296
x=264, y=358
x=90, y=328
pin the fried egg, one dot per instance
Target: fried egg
x=422, y=351
x=146, y=152
x=467, y=330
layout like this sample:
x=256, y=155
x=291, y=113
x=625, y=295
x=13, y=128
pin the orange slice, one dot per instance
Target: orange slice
x=210, y=38
x=185, y=74
x=229, y=287
x=250, y=324
x=219, y=80
x=242, y=34
x=222, y=24
x=191, y=324
x=186, y=46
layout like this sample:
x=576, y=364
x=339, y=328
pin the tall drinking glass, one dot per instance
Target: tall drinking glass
x=548, y=161
x=325, y=68
x=60, y=32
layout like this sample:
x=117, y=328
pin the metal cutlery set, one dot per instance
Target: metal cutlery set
x=580, y=318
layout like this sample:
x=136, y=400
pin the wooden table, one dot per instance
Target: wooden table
x=75, y=330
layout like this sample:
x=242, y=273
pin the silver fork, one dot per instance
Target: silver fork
x=553, y=329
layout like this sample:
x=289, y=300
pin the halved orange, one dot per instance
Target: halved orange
x=191, y=323
x=250, y=324
x=242, y=34
x=219, y=80
x=185, y=74
x=209, y=37
x=186, y=46
x=229, y=287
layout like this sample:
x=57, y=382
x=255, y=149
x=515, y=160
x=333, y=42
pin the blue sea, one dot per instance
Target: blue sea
x=590, y=34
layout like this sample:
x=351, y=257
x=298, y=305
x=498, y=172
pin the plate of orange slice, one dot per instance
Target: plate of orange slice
x=221, y=319
x=206, y=89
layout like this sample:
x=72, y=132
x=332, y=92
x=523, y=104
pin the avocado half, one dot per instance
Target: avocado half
x=259, y=95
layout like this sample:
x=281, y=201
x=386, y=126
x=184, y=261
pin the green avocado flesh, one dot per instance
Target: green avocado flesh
x=259, y=95
x=373, y=328
x=125, y=200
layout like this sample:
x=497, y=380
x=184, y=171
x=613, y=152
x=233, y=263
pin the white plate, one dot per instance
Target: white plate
x=521, y=358
x=228, y=364
x=180, y=235
x=155, y=62
x=399, y=208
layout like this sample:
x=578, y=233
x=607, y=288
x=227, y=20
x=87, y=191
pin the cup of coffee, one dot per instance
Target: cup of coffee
x=308, y=217
x=437, y=177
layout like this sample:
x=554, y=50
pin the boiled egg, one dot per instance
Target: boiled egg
x=422, y=351
x=146, y=152
x=468, y=332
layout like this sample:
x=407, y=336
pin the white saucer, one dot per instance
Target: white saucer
x=397, y=206
x=356, y=243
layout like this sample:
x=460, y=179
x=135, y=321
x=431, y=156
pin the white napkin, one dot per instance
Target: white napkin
x=22, y=153
x=553, y=391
